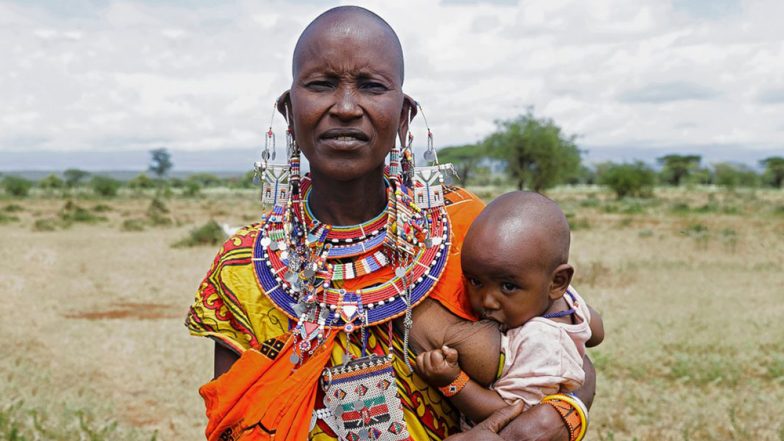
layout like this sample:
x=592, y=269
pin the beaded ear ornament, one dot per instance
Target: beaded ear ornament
x=273, y=178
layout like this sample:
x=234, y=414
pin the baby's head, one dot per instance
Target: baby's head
x=515, y=258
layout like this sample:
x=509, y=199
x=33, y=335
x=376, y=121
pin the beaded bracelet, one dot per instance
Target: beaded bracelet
x=455, y=386
x=572, y=412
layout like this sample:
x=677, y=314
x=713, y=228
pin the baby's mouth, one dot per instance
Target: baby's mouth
x=489, y=316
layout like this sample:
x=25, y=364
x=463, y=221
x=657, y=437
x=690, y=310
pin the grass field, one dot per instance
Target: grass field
x=690, y=285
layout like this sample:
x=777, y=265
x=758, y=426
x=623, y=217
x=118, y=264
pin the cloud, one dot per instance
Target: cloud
x=123, y=75
x=668, y=92
x=771, y=96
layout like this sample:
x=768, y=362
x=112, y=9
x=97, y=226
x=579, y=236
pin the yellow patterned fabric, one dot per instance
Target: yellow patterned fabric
x=231, y=308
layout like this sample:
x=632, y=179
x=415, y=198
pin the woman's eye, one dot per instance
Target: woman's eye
x=319, y=85
x=374, y=86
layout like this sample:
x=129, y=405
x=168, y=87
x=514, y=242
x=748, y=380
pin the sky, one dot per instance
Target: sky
x=98, y=83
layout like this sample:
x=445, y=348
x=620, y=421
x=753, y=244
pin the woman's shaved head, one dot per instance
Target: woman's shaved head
x=350, y=20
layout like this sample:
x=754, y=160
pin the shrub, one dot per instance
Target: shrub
x=157, y=212
x=74, y=213
x=732, y=176
x=51, y=183
x=132, y=225
x=635, y=179
x=102, y=208
x=13, y=208
x=8, y=218
x=141, y=182
x=45, y=225
x=16, y=186
x=208, y=234
x=105, y=186
x=191, y=188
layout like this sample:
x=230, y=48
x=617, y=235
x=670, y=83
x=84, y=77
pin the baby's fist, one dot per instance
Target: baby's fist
x=438, y=367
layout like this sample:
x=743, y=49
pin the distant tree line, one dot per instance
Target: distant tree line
x=534, y=153
x=528, y=152
x=157, y=178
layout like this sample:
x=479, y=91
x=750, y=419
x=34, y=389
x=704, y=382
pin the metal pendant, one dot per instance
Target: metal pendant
x=275, y=184
x=429, y=189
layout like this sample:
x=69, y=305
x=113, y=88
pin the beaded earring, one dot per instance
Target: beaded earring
x=273, y=178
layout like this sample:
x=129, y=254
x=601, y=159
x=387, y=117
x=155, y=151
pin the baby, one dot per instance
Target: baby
x=515, y=262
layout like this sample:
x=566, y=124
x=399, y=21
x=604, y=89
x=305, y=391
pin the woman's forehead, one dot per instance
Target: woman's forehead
x=351, y=43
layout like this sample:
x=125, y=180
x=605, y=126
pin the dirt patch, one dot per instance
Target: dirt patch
x=129, y=310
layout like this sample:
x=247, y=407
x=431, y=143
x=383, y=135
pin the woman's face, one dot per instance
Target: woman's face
x=346, y=100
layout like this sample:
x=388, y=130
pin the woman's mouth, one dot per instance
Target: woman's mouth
x=344, y=138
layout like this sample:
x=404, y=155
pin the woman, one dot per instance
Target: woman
x=293, y=299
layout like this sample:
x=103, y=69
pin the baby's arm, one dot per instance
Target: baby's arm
x=439, y=368
x=597, y=328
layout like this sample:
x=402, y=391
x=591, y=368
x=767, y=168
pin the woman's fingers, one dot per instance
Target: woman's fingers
x=501, y=417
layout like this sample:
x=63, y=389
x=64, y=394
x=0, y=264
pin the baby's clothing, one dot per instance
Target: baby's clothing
x=543, y=356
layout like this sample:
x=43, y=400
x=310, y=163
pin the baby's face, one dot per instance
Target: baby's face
x=507, y=278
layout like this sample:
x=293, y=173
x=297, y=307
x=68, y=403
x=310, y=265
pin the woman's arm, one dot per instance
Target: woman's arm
x=542, y=422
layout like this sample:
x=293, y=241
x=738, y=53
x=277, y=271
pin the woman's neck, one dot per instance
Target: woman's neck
x=347, y=202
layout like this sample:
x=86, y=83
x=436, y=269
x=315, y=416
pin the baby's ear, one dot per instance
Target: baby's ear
x=562, y=277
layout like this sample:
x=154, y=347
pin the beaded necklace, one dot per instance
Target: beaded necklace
x=301, y=268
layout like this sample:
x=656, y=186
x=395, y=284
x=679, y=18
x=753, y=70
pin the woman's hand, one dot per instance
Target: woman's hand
x=488, y=429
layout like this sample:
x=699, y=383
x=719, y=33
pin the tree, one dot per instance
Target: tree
x=73, y=176
x=774, y=170
x=465, y=158
x=731, y=176
x=141, y=182
x=51, y=183
x=160, y=162
x=635, y=179
x=105, y=186
x=676, y=168
x=17, y=186
x=537, y=153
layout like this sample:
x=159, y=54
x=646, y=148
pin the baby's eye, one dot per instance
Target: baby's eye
x=508, y=287
x=473, y=281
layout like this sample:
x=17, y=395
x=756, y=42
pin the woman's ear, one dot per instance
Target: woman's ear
x=407, y=113
x=562, y=277
x=283, y=104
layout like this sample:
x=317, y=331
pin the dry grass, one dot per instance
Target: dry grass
x=689, y=284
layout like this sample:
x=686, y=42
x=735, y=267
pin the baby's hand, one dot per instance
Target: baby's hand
x=439, y=367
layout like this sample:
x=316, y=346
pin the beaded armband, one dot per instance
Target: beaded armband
x=455, y=386
x=572, y=413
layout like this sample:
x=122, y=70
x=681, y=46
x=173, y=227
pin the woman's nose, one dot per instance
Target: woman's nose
x=346, y=107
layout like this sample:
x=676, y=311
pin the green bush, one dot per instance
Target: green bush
x=633, y=179
x=16, y=186
x=13, y=208
x=51, y=183
x=132, y=225
x=45, y=224
x=72, y=213
x=105, y=186
x=141, y=182
x=732, y=176
x=208, y=234
x=8, y=218
x=157, y=212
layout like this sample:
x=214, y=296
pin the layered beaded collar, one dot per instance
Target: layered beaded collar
x=312, y=292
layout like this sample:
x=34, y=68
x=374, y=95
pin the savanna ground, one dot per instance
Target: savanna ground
x=690, y=285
